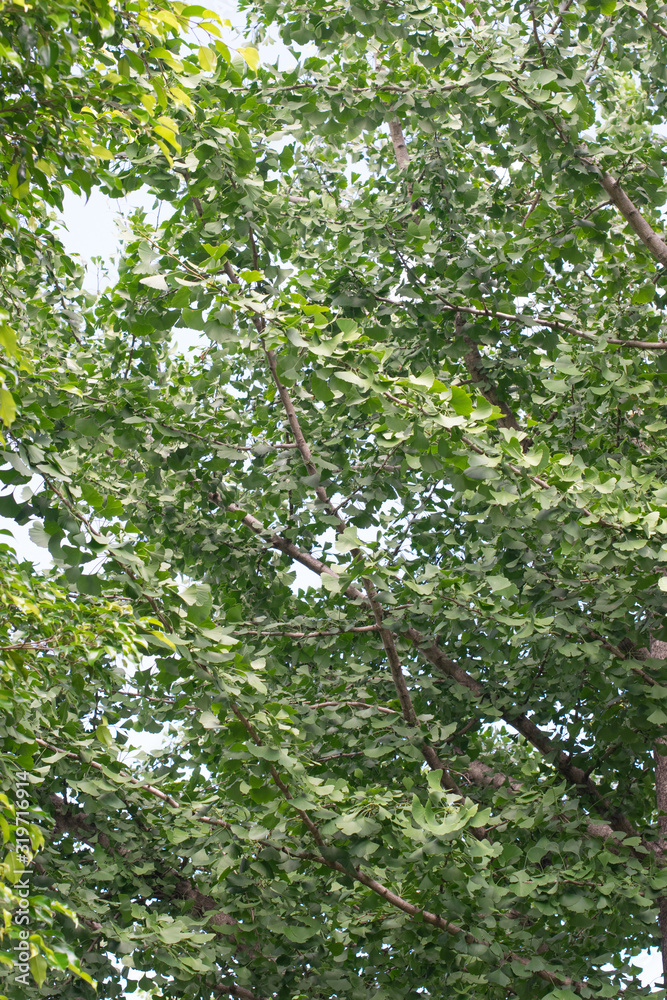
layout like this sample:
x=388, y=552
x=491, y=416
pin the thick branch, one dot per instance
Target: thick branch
x=290, y=549
x=474, y=364
x=658, y=27
x=564, y=7
x=81, y=826
x=433, y=919
x=531, y=209
x=481, y=774
x=124, y=774
x=521, y=723
x=407, y=708
x=278, y=781
x=633, y=216
x=553, y=324
x=232, y=990
x=299, y=439
x=398, y=142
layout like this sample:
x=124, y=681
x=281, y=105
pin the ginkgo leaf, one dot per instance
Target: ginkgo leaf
x=251, y=56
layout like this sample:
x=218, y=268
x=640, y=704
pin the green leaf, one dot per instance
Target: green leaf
x=461, y=401
x=300, y=934
x=38, y=968
x=198, y=598
x=209, y=721
x=197, y=594
x=498, y=584
x=645, y=293
x=320, y=389
x=156, y=281
x=347, y=540
x=8, y=340
x=7, y=407
x=103, y=734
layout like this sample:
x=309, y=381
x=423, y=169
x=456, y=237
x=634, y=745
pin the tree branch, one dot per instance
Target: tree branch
x=79, y=824
x=632, y=215
x=398, y=142
x=658, y=27
x=564, y=7
x=289, y=548
x=533, y=734
x=474, y=364
x=299, y=438
x=232, y=990
x=537, y=37
x=554, y=324
x=531, y=209
x=278, y=781
x=407, y=708
x=521, y=723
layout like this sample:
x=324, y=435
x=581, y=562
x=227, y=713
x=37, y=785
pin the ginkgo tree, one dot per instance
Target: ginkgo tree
x=382, y=562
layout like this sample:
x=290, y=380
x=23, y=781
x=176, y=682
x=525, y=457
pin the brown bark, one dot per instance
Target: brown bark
x=74, y=821
x=430, y=756
x=475, y=365
x=398, y=142
x=291, y=550
x=564, y=7
x=232, y=990
x=554, y=324
x=532, y=733
x=297, y=433
x=634, y=218
x=521, y=723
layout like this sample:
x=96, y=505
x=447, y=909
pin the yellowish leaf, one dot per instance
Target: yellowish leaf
x=168, y=18
x=207, y=59
x=147, y=24
x=46, y=167
x=7, y=407
x=181, y=97
x=161, y=93
x=169, y=122
x=159, y=52
x=103, y=734
x=167, y=134
x=251, y=56
x=224, y=51
x=212, y=29
x=170, y=159
x=163, y=638
x=8, y=340
x=148, y=102
x=163, y=147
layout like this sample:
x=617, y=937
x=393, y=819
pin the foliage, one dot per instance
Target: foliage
x=425, y=264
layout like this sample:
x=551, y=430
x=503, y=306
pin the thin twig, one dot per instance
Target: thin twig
x=531, y=209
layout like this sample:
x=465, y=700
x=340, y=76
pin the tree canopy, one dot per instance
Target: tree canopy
x=384, y=560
